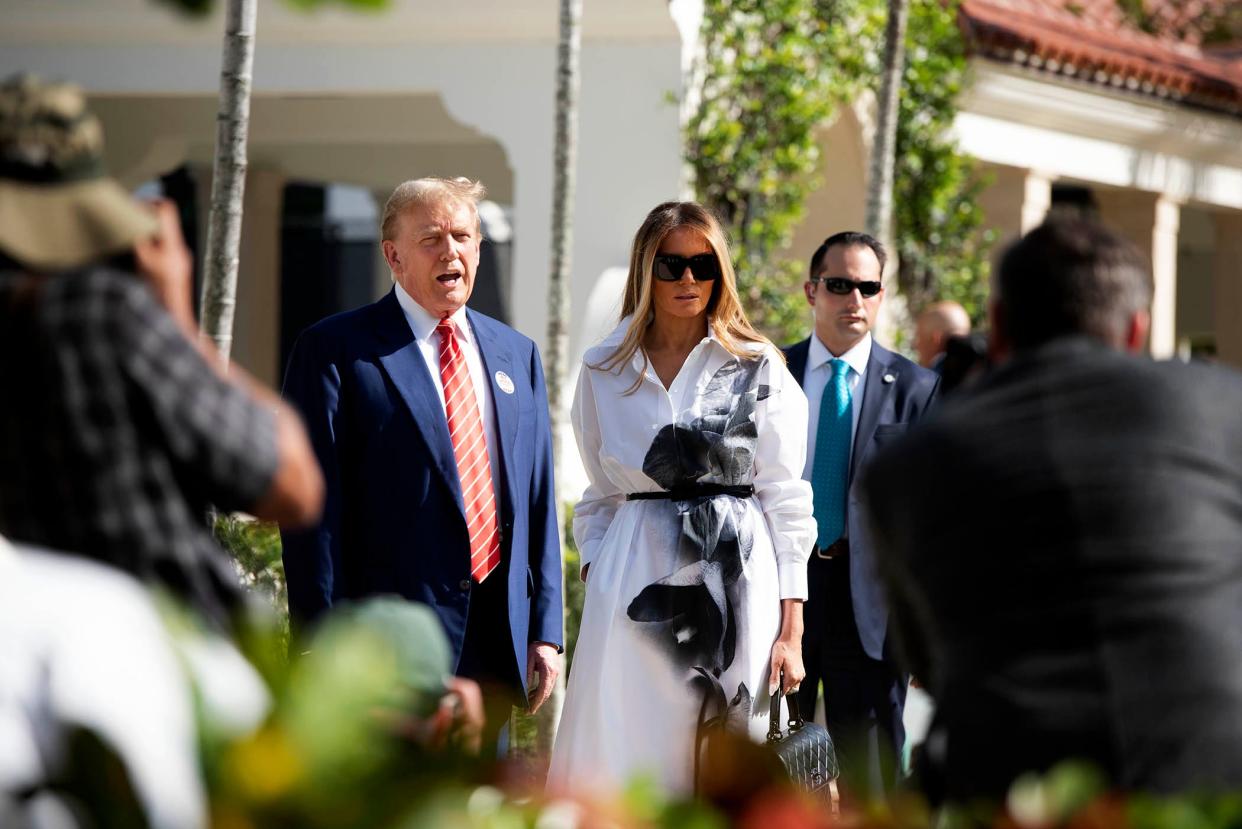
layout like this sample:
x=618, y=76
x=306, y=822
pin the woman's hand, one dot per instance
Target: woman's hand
x=787, y=650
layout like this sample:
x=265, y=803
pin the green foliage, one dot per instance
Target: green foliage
x=575, y=588
x=773, y=71
x=255, y=546
x=355, y=739
x=943, y=251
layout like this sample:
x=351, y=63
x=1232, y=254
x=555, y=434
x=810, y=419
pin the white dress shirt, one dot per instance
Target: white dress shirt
x=616, y=426
x=818, y=373
x=629, y=709
x=423, y=325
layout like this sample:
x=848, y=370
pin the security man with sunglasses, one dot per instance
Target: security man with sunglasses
x=861, y=396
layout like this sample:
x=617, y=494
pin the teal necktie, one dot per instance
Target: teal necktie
x=831, y=469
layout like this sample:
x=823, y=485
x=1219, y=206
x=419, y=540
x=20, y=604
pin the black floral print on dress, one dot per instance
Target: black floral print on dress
x=690, y=612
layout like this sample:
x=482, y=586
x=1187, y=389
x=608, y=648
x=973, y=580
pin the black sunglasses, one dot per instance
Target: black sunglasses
x=669, y=268
x=841, y=286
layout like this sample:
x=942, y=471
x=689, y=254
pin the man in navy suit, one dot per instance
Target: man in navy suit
x=431, y=424
x=861, y=396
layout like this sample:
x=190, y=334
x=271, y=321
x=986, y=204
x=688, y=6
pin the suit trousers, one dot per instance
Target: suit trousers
x=863, y=697
x=487, y=656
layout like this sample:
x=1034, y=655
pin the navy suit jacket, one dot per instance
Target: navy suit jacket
x=393, y=519
x=896, y=394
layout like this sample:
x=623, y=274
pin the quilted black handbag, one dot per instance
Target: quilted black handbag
x=805, y=749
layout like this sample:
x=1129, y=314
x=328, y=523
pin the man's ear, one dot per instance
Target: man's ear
x=999, y=345
x=808, y=288
x=390, y=253
x=1137, y=330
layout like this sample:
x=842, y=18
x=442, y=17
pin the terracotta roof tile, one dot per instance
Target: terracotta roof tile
x=1090, y=40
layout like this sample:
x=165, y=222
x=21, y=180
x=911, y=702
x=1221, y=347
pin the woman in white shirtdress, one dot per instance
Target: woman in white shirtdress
x=696, y=527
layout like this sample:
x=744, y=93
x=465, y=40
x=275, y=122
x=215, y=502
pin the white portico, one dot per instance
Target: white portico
x=370, y=99
x=1066, y=108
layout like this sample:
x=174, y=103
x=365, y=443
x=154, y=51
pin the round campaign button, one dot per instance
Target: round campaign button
x=505, y=382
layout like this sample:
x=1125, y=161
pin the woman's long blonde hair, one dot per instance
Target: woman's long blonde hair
x=724, y=308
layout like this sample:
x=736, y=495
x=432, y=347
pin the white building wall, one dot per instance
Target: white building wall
x=492, y=63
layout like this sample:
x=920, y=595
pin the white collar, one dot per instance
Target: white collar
x=423, y=324
x=856, y=358
x=617, y=336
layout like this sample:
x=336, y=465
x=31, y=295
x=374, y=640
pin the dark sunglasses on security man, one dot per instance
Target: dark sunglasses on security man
x=669, y=268
x=841, y=286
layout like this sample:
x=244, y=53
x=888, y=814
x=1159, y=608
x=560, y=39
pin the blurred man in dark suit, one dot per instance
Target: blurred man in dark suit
x=1063, y=543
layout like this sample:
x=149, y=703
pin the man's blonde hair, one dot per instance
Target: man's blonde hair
x=430, y=190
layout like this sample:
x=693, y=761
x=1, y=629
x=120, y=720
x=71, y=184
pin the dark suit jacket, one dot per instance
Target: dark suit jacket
x=393, y=518
x=1063, y=544
x=896, y=394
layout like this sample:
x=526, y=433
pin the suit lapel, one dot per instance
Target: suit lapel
x=875, y=393
x=796, y=357
x=401, y=358
x=497, y=360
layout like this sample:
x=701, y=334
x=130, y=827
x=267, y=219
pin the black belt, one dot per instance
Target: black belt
x=691, y=491
x=837, y=549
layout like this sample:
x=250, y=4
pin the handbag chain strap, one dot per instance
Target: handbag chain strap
x=774, y=712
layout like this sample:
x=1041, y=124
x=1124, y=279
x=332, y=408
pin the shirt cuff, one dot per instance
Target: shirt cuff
x=559, y=648
x=792, y=578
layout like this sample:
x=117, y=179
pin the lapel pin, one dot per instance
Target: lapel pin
x=505, y=382
x=888, y=378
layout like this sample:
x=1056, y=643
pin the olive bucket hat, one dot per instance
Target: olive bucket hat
x=58, y=207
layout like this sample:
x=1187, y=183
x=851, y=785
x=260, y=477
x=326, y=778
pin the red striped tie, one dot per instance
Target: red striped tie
x=469, y=447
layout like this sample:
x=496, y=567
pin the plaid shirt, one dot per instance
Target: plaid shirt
x=116, y=435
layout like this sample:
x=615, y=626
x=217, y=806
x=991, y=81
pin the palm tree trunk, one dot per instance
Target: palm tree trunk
x=228, y=182
x=880, y=178
x=564, y=182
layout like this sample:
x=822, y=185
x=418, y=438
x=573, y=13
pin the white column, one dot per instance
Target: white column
x=1015, y=202
x=1036, y=199
x=1150, y=220
x=1167, y=214
x=1227, y=288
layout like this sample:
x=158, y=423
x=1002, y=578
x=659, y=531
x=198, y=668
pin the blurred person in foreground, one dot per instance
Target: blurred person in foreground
x=120, y=426
x=695, y=527
x=936, y=325
x=1063, y=543
x=431, y=423
x=107, y=696
x=861, y=397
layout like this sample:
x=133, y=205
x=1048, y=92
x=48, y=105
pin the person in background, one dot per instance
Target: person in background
x=1063, y=542
x=938, y=323
x=120, y=426
x=861, y=397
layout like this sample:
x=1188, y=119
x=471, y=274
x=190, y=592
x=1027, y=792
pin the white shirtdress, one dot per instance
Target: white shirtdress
x=679, y=589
